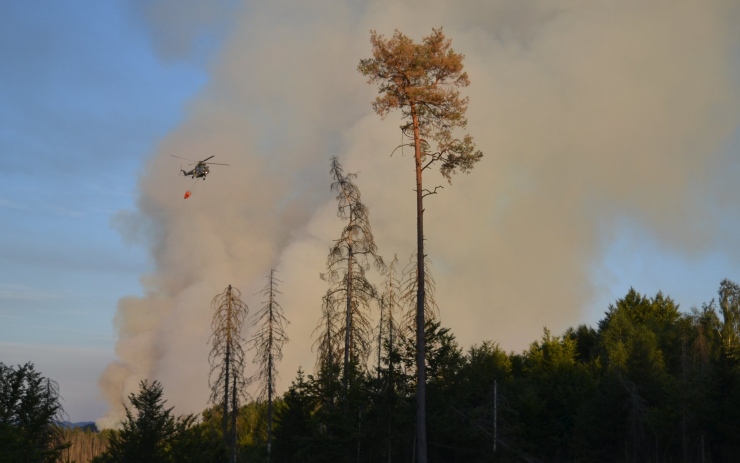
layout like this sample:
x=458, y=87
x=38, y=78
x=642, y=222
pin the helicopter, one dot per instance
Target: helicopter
x=201, y=168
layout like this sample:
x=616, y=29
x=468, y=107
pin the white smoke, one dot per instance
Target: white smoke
x=588, y=114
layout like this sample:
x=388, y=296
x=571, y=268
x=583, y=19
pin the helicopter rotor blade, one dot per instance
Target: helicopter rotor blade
x=179, y=157
x=217, y=164
x=208, y=158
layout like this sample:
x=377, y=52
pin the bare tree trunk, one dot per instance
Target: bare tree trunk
x=348, y=321
x=226, y=396
x=269, y=370
x=233, y=422
x=408, y=73
x=227, y=360
x=228, y=365
x=269, y=426
x=391, y=394
x=382, y=303
x=267, y=342
x=421, y=426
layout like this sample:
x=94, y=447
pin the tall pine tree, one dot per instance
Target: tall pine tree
x=422, y=80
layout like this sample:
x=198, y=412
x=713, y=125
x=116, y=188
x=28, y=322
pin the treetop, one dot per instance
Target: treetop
x=423, y=81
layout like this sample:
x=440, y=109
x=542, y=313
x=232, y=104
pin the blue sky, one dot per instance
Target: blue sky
x=88, y=92
x=84, y=99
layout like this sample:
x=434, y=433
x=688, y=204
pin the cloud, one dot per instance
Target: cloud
x=587, y=114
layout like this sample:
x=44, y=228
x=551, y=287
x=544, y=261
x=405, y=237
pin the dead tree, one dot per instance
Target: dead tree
x=408, y=295
x=422, y=80
x=267, y=343
x=347, y=263
x=227, y=381
x=326, y=335
x=390, y=302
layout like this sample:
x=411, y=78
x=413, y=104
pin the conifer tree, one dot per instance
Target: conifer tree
x=30, y=416
x=349, y=259
x=389, y=303
x=408, y=295
x=148, y=431
x=729, y=304
x=422, y=80
x=227, y=381
x=267, y=343
x=326, y=335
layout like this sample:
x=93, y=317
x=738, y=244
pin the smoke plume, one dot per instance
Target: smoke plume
x=588, y=115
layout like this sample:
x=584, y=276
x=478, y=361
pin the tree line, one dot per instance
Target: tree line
x=648, y=383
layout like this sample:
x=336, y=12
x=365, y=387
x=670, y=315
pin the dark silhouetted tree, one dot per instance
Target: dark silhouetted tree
x=390, y=303
x=227, y=381
x=30, y=416
x=267, y=343
x=729, y=304
x=384, y=401
x=409, y=294
x=326, y=333
x=422, y=80
x=150, y=433
x=350, y=257
x=391, y=321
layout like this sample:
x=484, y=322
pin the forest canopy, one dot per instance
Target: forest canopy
x=649, y=382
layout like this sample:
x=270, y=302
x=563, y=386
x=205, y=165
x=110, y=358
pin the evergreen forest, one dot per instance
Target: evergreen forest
x=649, y=383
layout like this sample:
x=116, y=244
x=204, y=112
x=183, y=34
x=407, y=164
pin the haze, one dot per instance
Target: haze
x=610, y=140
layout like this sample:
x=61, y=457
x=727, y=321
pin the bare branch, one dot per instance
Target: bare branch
x=268, y=339
x=434, y=192
x=226, y=377
x=344, y=329
x=409, y=284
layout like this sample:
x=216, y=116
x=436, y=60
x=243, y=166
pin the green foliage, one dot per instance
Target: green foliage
x=650, y=383
x=153, y=435
x=30, y=413
x=295, y=429
x=549, y=384
x=729, y=303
